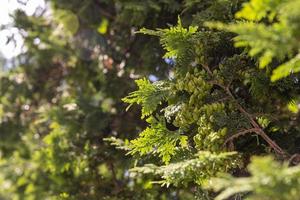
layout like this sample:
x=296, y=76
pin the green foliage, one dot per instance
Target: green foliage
x=192, y=111
x=210, y=110
x=68, y=20
x=118, y=143
x=62, y=97
x=216, y=97
x=257, y=10
x=175, y=40
x=198, y=169
x=266, y=40
x=149, y=96
x=157, y=139
x=268, y=180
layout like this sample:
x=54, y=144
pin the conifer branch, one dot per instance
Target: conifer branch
x=258, y=130
x=241, y=133
x=295, y=159
x=256, y=127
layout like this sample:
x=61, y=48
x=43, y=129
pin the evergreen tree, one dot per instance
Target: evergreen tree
x=217, y=84
x=218, y=99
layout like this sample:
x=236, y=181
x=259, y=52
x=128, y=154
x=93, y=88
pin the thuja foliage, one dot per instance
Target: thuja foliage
x=193, y=107
x=213, y=107
x=268, y=180
x=270, y=30
x=223, y=105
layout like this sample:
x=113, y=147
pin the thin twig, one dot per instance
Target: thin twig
x=241, y=133
x=256, y=127
x=258, y=130
x=104, y=12
x=295, y=159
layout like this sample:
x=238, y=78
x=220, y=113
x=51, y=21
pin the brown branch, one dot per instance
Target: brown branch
x=104, y=12
x=241, y=133
x=256, y=127
x=206, y=67
x=114, y=175
x=222, y=99
x=295, y=159
x=258, y=130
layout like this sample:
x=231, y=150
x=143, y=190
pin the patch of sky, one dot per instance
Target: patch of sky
x=11, y=49
x=170, y=61
x=153, y=78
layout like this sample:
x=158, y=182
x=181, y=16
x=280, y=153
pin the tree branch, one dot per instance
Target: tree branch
x=104, y=12
x=256, y=127
x=241, y=133
x=258, y=130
